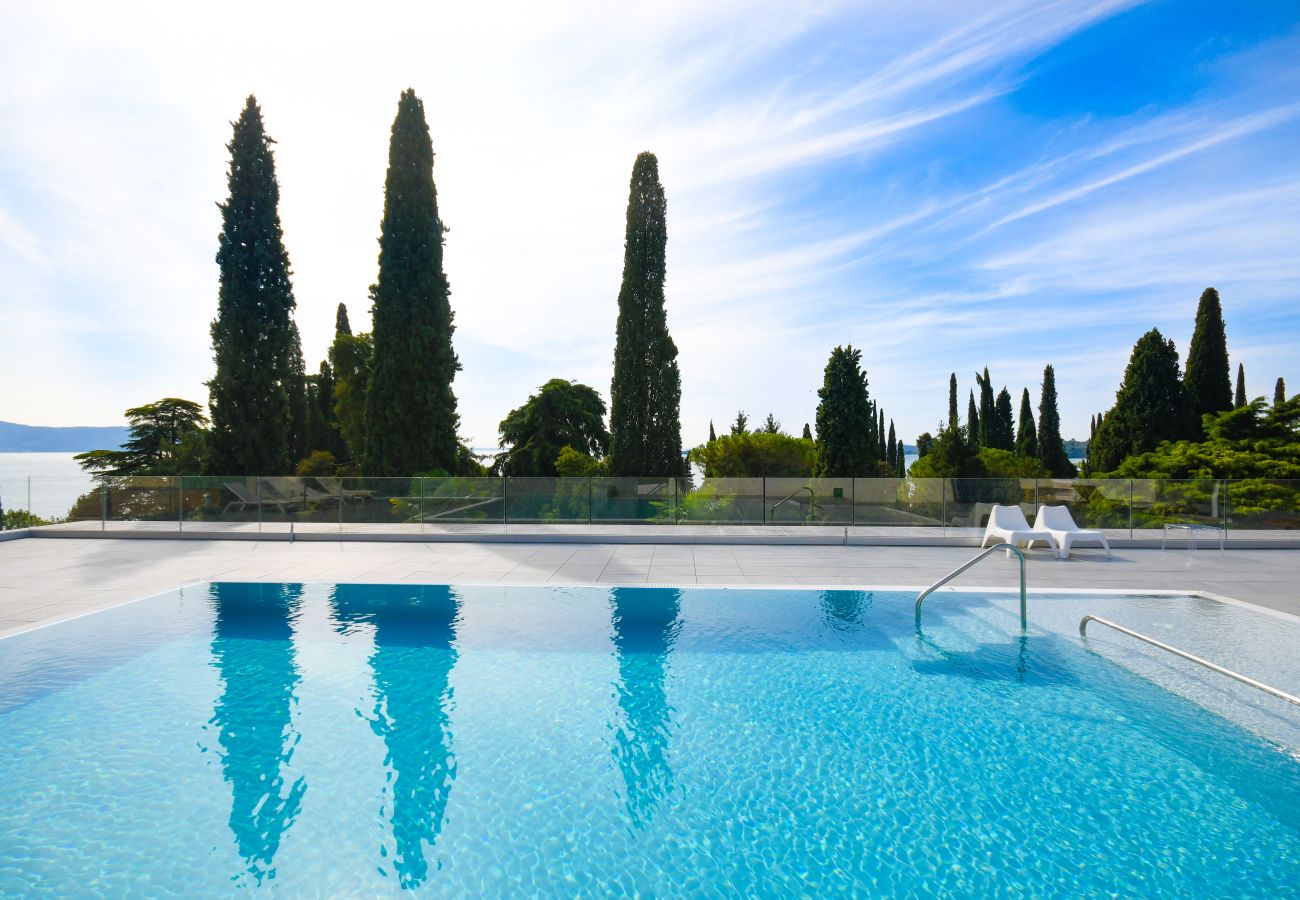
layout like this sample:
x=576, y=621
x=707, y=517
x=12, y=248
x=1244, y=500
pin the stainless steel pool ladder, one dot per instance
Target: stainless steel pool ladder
x=1281, y=695
x=1010, y=548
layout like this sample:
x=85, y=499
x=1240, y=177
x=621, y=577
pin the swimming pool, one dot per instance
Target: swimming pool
x=360, y=739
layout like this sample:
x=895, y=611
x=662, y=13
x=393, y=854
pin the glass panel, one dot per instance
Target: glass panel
x=141, y=502
x=1093, y=503
x=469, y=500
x=14, y=503
x=379, y=505
x=722, y=501
x=1157, y=502
x=71, y=502
x=547, y=499
x=633, y=500
x=808, y=501
x=970, y=500
x=898, y=502
x=1263, y=507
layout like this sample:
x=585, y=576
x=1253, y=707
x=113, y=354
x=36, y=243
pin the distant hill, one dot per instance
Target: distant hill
x=15, y=438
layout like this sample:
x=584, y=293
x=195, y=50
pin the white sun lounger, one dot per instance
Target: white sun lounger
x=1056, y=522
x=1007, y=524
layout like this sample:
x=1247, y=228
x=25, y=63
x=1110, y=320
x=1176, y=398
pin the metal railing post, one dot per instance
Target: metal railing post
x=103, y=505
x=421, y=480
x=589, y=498
x=1224, y=484
x=1130, y=509
x=763, y=511
x=259, y=504
x=943, y=505
x=180, y=503
x=505, y=500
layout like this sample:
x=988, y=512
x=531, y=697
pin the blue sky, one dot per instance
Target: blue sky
x=947, y=186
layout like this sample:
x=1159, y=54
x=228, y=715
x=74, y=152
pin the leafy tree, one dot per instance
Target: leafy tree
x=771, y=425
x=1207, y=382
x=950, y=456
x=1002, y=434
x=1279, y=392
x=253, y=333
x=351, y=358
x=758, y=454
x=924, y=443
x=1241, y=386
x=712, y=434
x=741, y=425
x=1051, y=449
x=341, y=323
x=166, y=438
x=645, y=395
x=410, y=411
x=561, y=414
x=1005, y=464
x=1150, y=406
x=576, y=464
x=843, y=414
x=1026, y=436
x=881, y=450
x=953, y=422
x=891, y=451
x=900, y=456
x=807, y=432
x=325, y=436
x=320, y=462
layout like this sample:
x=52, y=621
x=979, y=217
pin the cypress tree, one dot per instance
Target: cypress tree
x=341, y=324
x=881, y=451
x=253, y=333
x=1051, y=449
x=1027, y=436
x=741, y=425
x=901, y=454
x=297, y=386
x=1241, y=386
x=1150, y=406
x=1004, y=435
x=988, y=426
x=844, y=446
x=712, y=435
x=807, y=432
x=646, y=392
x=953, y=422
x=1207, y=383
x=972, y=423
x=410, y=418
x=1279, y=392
x=891, y=452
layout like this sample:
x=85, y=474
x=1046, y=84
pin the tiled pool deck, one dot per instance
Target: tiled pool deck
x=44, y=579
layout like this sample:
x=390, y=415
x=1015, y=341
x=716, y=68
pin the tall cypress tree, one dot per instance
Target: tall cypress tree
x=881, y=451
x=646, y=392
x=953, y=421
x=1027, y=435
x=1051, y=449
x=712, y=434
x=341, y=323
x=972, y=423
x=1208, y=383
x=891, y=451
x=901, y=453
x=297, y=387
x=1004, y=435
x=411, y=420
x=1279, y=391
x=988, y=426
x=1150, y=406
x=845, y=447
x=253, y=333
x=807, y=432
x=1241, y=386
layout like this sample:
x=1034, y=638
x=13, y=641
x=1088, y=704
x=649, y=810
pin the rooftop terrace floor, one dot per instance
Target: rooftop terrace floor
x=46, y=580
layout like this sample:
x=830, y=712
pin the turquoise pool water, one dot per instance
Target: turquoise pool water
x=352, y=740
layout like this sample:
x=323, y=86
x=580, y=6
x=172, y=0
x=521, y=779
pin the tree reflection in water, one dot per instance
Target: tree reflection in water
x=646, y=625
x=252, y=650
x=414, y=633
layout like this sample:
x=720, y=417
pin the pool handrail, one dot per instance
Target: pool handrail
x=1244, y=679
x=1010, y=548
